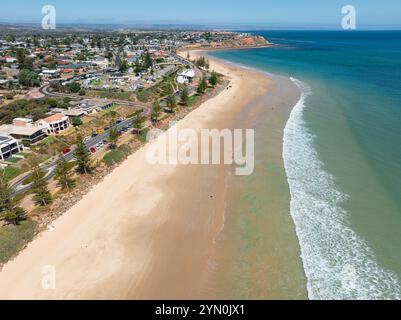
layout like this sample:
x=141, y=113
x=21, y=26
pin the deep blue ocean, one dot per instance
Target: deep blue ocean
x=342, y=155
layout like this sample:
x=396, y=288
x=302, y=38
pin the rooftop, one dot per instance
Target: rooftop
x=9, y=129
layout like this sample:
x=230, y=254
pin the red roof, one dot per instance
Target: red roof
x=54, y=118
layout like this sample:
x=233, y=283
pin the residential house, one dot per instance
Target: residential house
x=27, y=135
x=92, y=105
x=54, y=124
x=9, y=146
x=49, y=74
x=186, y=76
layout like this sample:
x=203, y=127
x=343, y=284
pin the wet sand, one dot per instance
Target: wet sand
x=147, y=231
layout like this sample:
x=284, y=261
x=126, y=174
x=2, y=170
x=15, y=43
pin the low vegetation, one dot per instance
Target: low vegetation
x=14, y=238
x=117, y=155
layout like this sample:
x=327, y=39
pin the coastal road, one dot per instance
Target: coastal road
x=18, y=186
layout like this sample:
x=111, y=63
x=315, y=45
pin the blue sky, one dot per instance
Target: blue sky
x=268, y=13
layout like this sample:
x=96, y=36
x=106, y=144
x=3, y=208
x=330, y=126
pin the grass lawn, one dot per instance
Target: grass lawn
x=14, y=238
x=14, y=160
x=113, y=95
x=116, y=156
x=10, y=172
x=48, y=141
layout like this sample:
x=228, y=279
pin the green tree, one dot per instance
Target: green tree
x=202, y=62
x=10, y=38
x=67, y=100
x=214, y=78
x=21, y=55
x=40, y=190
x=10, y=211
x=27, y=63
x=202, y=86
x=156, y=112
x=138, y=123
x=171, y=103
x=148, y=60
x=114, y=135
x=74, y=87
x=82, y=156
x=28, y=78
x=76, y=122
x=185, y=97
x=124, y=66
x=53, y=103
x=63, y=176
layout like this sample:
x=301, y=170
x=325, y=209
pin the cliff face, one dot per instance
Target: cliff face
x=241, y=41
x=237, y=41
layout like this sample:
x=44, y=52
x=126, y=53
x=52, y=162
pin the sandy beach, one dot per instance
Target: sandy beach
x=147, y=231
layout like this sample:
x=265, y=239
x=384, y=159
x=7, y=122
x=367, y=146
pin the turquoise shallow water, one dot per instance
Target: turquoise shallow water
x=342, y=156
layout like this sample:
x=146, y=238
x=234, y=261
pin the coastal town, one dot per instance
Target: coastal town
x=74, y=105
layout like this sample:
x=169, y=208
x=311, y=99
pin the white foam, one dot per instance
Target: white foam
x=338, y=263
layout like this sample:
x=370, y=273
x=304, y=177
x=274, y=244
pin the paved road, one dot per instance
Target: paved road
x=92, y=142
x=136, y=105
x=50, y=168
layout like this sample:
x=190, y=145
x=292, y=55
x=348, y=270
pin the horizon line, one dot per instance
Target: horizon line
x=211, y=26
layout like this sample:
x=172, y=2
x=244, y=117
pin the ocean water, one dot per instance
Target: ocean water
x=342, y=157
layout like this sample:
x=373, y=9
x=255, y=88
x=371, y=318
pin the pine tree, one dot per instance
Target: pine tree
x=138, y=123
x=202, y=86
x=10, y=211
x=214, y=79
x=171, y=103
x=82, y=156
x=113, y=135
x=185, y=97
x=148, y=60
x=42, y=195
x=62, y=174
x=156, y=111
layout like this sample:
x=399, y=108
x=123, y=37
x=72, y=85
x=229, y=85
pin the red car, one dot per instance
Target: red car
x=66, y=150
x=93, y=150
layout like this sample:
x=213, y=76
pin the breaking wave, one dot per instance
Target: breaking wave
x=337, y=262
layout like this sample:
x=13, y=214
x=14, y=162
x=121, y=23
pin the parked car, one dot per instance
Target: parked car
x=93, y=150
x=66, y=150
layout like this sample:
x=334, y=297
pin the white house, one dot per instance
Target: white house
x=54, y=124
x=9, y=146
x=186, y=76
x=49, y=74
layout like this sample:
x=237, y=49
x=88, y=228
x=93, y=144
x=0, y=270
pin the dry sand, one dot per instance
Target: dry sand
x=145, y=232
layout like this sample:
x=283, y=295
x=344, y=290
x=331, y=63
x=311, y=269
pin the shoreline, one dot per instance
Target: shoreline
x=149, y=227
